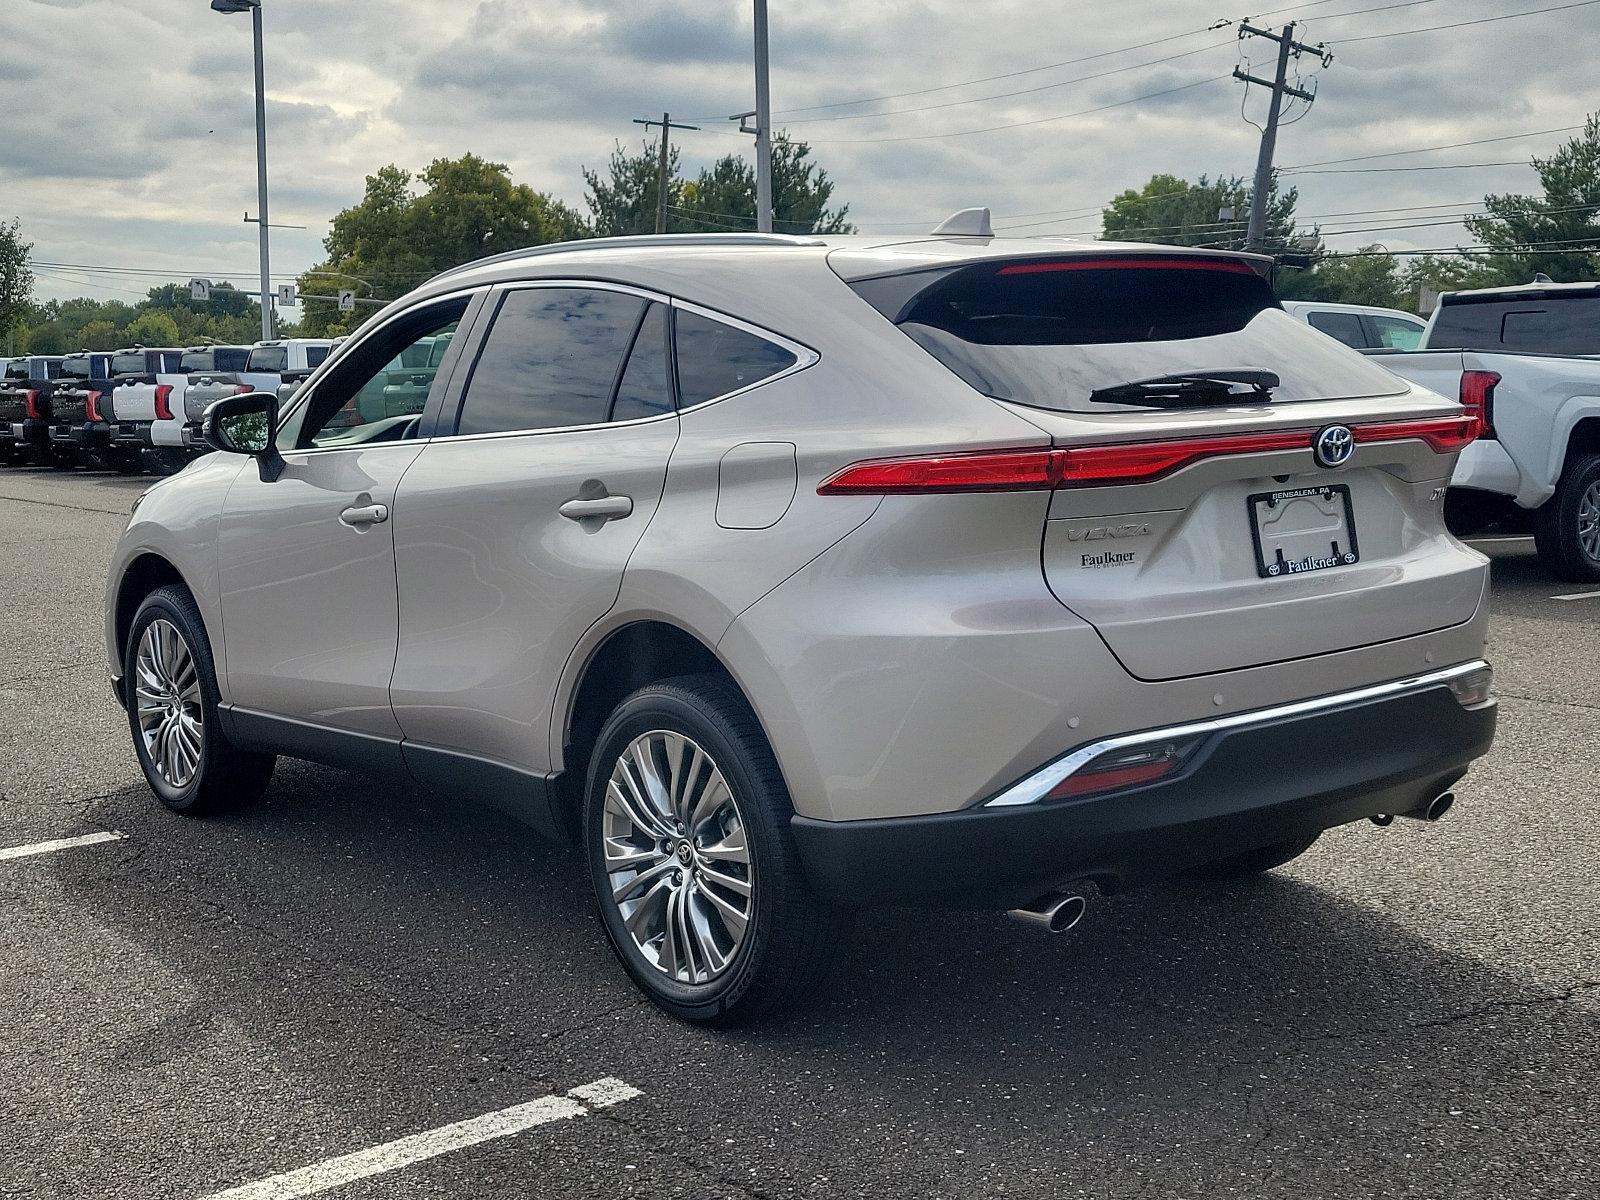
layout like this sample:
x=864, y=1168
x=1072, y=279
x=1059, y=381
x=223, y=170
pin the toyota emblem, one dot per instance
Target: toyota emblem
x=1334, y=446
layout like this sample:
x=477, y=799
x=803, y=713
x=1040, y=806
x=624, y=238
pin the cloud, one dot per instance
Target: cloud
x=152, y=163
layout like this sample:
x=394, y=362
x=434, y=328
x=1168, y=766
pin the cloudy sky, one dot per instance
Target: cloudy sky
x=126, y=125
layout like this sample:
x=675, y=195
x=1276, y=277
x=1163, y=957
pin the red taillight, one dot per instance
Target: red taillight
x=163, y=402
x=1477, y=397
x=1102, y=466
x=31, y=406
x=94, y=407
x=243, y=388
x=1232, y=266
x=1445, y=435
x=990, y=471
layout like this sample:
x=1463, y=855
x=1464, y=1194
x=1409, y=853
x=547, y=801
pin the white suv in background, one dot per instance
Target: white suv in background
x=791, y=576
x=1360, y=326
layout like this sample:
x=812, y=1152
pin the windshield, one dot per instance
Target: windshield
x=1051, y=333
x=1553, y=324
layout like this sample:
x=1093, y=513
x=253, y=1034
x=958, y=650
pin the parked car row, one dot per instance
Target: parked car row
x=136, y=409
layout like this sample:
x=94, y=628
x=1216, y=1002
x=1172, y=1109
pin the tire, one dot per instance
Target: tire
x=126, y=462
x=216, y=777
x=1566, y=529
x=722, y=976
x=1255, y=862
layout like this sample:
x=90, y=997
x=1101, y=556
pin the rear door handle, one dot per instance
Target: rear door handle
x=606, y=508
x=364, y=514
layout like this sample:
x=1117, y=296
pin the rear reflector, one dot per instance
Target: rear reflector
x=1124, y=768
x=1104, y=466
x=1232, y=266
x=1477, y=397
x=94, y=407
x=163, y=402
x=31, y=406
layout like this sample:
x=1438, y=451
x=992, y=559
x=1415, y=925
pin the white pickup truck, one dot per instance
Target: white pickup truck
x=1527, y=360
x=288, y=361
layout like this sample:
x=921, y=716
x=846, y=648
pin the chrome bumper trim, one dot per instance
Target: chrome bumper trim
x=1033, y=788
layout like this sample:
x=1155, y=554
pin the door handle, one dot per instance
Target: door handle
x=364, y=514
x=606, y=508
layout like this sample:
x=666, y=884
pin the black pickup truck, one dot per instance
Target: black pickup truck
x=78, y=432
x=25, y=390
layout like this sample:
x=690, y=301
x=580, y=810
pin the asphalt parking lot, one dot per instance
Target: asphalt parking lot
x=199, y=1006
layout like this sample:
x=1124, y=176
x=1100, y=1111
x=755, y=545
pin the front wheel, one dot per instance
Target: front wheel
x=1566, y=530
x=171, y=692
x=699, y=885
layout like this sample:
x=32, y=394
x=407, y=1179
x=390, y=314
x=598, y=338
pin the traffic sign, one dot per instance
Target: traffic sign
x=199, y=289
x=286, y=295
x=347, y=300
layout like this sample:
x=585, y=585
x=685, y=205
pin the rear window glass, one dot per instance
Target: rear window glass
x=269, y=358
x=75, y=368
x=17, y=369
x=201, y=360
x=315, y=356
x=230, y=358
x=1049, y=334
x=1546, y=325
x=715, y=359
x=128, y=364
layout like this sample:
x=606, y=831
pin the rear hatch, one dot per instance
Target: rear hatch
x=1192, y=522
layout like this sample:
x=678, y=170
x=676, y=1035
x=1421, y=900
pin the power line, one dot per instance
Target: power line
x=1510, y=137
x=1374, y=37
x=1044, y=87
x=925, y=137
x=1518, y=162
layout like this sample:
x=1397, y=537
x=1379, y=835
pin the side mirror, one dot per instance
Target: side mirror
x=247, y=424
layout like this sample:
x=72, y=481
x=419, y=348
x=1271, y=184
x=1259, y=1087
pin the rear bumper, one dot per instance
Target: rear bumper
x=1487, y=467
x=1249, y=785
x=35, y=431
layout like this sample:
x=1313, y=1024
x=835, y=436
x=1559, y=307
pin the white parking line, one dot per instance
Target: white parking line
x=1577, y=596
x=88, y=839
x=391, y=1156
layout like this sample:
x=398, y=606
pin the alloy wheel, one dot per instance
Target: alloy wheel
x=1589, y=522
x=676, y=860
x=167, y=696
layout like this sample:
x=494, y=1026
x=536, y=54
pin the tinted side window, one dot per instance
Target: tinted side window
x=550, y=360
x=315, y=356
x=645, y=390
x=230, y=359
x=1344, y=327
x=715, y=359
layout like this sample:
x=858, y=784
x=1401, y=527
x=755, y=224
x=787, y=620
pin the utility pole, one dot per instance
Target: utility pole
x=1256, y=231
x=667, y=126
x=763, y=124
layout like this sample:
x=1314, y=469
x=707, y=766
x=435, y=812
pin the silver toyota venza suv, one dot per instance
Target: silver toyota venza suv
x=788, y=577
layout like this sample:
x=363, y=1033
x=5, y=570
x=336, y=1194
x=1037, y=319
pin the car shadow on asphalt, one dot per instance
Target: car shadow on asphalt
x=1171, y=1014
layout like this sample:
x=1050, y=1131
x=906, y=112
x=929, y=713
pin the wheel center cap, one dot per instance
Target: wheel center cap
x=683, y=853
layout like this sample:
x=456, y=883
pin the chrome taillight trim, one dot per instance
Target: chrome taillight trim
x=1034, y=787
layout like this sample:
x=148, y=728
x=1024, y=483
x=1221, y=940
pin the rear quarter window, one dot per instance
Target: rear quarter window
x=715, y=358
x=1049, y=333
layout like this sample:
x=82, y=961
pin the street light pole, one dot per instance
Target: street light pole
x=261, y=176
x=763, y=125
x=253, y=7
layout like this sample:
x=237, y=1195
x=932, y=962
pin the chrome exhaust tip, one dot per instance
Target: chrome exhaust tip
x=1054, y=912
x=1433, y=810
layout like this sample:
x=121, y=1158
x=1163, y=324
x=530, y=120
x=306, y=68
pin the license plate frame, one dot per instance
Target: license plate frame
x=1274, y=564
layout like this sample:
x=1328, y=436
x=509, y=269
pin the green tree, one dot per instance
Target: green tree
x=99, y=334
x=16, y=280
x=721, y=198
x=396, y=236
x=1453, y=273
x=152, y=328
x=1556, y=232
x=1207, y=212
x=623, y=200
x=1370, y=275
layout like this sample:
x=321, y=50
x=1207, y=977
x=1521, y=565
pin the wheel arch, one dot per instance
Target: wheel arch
x=143, y=575
x=629, y=656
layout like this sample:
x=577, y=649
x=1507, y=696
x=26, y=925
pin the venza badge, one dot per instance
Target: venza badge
x=1334, y=446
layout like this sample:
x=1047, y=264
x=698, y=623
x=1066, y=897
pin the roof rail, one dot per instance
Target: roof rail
x=633, y=240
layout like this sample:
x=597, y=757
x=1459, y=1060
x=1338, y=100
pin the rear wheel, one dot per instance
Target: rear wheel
x=699, y=886
x=171, y=692
x=1566, y=529
x=1255, y=862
